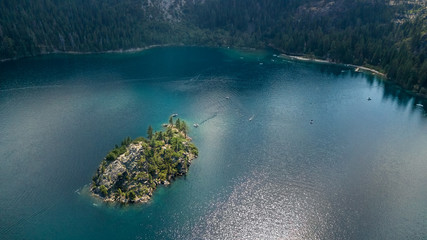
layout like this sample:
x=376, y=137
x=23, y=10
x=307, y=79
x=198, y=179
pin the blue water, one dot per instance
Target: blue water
x=316, y=161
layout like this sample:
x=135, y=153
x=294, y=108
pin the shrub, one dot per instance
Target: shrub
x=162, y=175
x=132, y=195
x=104, y=191
x=110, y=157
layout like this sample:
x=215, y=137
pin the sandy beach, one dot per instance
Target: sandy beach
x=317, y=60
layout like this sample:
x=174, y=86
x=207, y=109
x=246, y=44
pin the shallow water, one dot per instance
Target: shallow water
x=316, y=161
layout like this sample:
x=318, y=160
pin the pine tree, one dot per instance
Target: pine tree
x=171, y=121
x=184, y=128
x=150, y=132
x=178, y=124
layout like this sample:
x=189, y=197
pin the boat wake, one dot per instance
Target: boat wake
x=209, y=118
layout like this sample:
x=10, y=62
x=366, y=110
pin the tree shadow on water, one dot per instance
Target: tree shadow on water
x=401, y=97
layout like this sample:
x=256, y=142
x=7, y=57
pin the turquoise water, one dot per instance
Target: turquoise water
x=316, y=161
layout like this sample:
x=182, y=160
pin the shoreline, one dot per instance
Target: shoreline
x=129, y=50
x=280, y=53
x=140, y=49
x=357, y=68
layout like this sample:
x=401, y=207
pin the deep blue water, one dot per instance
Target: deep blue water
x=356, y=171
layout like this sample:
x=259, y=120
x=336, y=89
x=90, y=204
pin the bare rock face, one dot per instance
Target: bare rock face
x=131, y=172
x=167, y=10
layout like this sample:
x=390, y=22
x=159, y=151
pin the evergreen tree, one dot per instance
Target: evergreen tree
x=178, y=124
x=150, y=132
x=171, y=121
x=184, y=128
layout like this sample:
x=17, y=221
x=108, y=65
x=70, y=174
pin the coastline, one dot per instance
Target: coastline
x=281, y=53
x=129, y=50
x=357, y=68
x=140, y=49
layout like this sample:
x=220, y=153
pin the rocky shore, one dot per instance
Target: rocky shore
x=130, y=173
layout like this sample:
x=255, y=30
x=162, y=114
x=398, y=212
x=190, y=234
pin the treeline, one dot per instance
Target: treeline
x=373, y=33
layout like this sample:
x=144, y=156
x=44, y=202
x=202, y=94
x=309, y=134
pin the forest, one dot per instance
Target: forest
x=389, y=36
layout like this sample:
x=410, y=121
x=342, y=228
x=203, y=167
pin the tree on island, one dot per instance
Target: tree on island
x=171, y=121
x=169, y=133
x=150, y=132
x=184, y=128
x=132, y=195
x=178, y=124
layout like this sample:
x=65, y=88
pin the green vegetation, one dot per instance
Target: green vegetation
x=103, y=190
x=373, y=33
x=143, y=164
x=117, y=151
x=150, y=132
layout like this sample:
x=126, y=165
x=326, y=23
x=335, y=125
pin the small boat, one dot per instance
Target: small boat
x=227, y=97
x=419, y=105
x=357, y=69
x=252, y=117
x=261, y=63
x=196, y=125
x=175, y=114
x=369, y=99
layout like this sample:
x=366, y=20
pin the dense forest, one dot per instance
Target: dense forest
x=389, y=36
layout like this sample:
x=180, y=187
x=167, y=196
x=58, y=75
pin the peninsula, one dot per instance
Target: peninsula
x=131, y=172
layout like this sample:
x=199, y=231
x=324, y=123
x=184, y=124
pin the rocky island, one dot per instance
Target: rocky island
x=131, y=172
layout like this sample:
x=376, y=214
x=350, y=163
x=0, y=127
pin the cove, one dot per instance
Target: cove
x=317, y=160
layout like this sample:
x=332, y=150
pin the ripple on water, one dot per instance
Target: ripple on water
x=262, y=208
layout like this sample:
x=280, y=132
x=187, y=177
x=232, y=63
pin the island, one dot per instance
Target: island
x=131, y=172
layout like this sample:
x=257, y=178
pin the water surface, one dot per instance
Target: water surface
x=316, y=161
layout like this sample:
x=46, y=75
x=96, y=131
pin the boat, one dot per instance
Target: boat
x=252, y=117
x=419, y=105
x=175, y=114
x=227, y=97
x=357, y=69
x=369, y=99
x=196, y=125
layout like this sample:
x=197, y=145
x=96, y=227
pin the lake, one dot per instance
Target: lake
x=287, y=150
